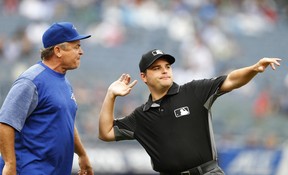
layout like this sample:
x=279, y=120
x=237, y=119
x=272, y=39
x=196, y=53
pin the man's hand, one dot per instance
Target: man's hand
x=121, y=87
x=85, y=166
x=265, y=62
x=9, y=169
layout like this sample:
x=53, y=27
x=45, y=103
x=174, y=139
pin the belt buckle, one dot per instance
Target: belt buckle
x=185, y=173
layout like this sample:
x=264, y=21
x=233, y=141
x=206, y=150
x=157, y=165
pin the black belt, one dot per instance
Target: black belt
x=199, y=170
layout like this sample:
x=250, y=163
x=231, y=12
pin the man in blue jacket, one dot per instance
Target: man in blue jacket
x=38, y=135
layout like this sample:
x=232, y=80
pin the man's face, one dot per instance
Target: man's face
x=71, y=54
x=159, y=75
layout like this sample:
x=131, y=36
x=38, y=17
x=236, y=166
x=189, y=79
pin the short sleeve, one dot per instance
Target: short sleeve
x=124, y=128
x=205, y=88
x=20, y=102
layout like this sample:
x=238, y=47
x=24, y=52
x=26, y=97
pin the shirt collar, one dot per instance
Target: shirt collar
x=174, y=89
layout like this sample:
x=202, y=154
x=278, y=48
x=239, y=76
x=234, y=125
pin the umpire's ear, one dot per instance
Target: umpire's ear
x=143, y=76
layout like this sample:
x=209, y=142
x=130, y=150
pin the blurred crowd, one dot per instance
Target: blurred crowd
x=208, y=26
x=203, y=34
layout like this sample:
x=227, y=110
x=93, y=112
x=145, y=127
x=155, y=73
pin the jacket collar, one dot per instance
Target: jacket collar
x=174, y=89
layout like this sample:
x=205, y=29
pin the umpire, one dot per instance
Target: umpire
x=174, y=126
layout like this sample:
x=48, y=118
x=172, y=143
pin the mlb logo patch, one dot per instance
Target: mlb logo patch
x=157, y=52
x=181, y=111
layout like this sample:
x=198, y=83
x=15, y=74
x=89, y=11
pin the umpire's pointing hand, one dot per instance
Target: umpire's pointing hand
x=265, y=62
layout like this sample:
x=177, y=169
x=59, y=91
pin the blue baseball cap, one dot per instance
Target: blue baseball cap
x=61, y=32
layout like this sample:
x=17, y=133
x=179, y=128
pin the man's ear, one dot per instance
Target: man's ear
x=143, y=77
x=57, y=51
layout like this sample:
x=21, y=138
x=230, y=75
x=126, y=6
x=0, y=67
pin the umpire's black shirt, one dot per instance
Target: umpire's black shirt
x=174, y=130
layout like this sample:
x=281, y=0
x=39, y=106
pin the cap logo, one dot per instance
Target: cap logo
x=73, y=27
x=157, y=52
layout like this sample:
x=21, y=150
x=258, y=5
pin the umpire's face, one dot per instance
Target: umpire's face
x=158, y=76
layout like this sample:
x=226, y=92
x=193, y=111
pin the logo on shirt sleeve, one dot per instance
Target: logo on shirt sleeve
x=181, y=111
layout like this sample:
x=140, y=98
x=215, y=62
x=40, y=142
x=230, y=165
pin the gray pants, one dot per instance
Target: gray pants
x=216, y=170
